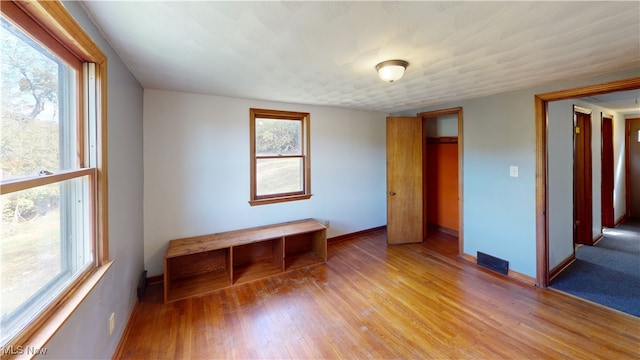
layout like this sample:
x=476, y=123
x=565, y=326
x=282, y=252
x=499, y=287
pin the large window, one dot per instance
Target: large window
x=51, y=173
x=280, y=162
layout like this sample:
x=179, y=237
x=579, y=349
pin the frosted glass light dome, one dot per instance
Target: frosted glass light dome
x=391, y=70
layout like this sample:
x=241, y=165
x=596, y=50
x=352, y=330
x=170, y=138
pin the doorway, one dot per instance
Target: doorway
x=541, y=112
x=408, y=178
x=443, y=173
x=582, y=188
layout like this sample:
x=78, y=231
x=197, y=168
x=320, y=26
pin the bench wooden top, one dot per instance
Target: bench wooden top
x=198, y=244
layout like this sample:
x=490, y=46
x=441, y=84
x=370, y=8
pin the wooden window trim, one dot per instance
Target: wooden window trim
x=19, y=185
x=16, y=12
x=304, y=118
x=59, y=31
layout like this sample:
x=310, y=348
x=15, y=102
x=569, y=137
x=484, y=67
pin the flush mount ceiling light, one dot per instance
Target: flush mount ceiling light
x=391, y=70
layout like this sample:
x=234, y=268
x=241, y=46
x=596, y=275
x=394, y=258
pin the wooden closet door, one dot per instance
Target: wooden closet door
x=607, y=184
x=404, y=180
x=582, y=191
x=633, y=141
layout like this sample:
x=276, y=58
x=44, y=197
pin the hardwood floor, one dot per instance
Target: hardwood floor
x=371, y=300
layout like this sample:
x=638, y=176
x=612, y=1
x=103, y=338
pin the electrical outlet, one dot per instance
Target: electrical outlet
x=112, y=323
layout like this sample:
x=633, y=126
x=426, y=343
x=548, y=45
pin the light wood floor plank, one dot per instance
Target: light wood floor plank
x=376, y=301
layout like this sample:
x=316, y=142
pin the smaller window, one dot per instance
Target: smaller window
x=280, y=163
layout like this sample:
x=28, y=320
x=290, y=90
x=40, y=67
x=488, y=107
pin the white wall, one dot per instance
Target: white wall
x=445, y=125
x=560, y=181
x=85, y=335
x=560, y=174
x=498, y=210
x=619, y=180
x=196, y=166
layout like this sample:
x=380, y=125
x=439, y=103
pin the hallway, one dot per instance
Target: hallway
x=607, y=273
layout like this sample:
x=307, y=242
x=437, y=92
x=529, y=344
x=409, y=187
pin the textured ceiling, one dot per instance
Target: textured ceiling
x=324, y=53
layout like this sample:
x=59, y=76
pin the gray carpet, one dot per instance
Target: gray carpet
x=609, y=272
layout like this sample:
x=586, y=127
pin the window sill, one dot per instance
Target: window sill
x=50, y=326
x=279, y=199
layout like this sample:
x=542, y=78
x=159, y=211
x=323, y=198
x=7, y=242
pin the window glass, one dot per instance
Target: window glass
x=43, y=249
x=38, y=119
x=276, y=176
x=278, y=137
x=47, y=239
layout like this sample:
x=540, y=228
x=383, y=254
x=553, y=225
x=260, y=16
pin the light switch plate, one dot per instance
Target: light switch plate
x=513, y=171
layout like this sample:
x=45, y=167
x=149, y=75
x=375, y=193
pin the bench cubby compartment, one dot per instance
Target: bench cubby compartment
x=257, y=260
x=197, y=273
x=304, y=249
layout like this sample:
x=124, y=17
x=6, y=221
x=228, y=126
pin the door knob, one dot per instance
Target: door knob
x=392, y=193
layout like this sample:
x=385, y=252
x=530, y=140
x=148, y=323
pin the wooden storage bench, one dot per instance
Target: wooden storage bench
x=201, y=264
